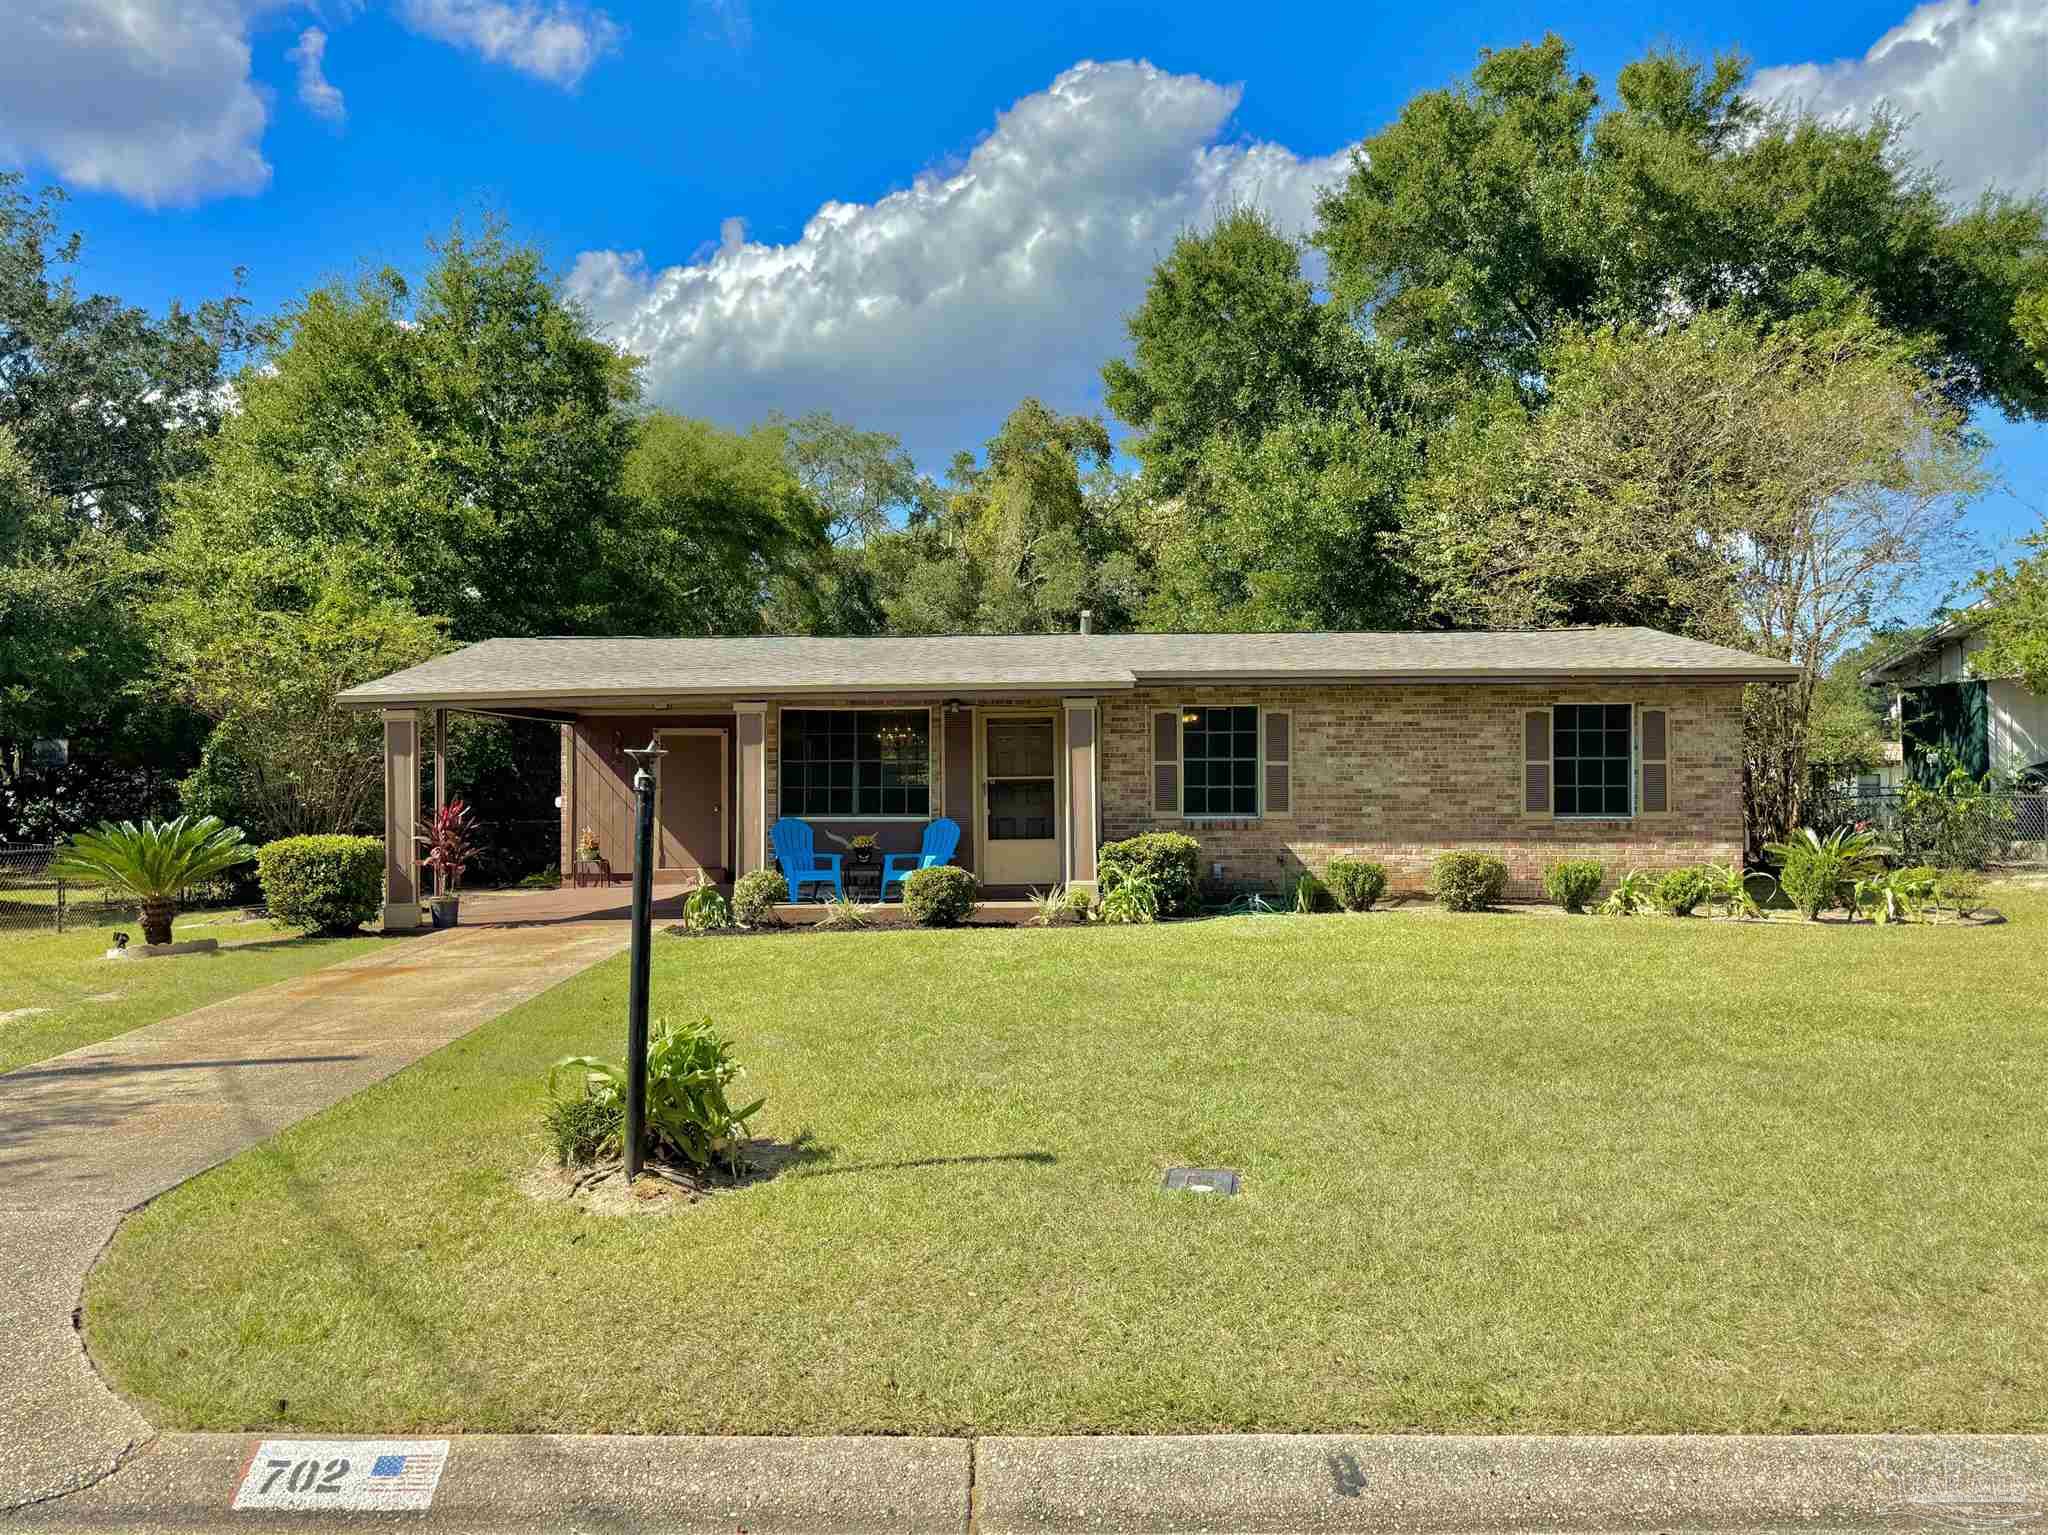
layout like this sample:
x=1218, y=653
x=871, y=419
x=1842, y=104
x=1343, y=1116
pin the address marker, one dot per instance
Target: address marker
x=373, y=1474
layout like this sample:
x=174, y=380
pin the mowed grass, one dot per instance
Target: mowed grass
x=58, y=991
x=1502, y=1173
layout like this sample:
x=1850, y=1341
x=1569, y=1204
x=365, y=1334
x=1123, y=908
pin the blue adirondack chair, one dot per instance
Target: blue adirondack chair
x=940, y=838
x=801, y=865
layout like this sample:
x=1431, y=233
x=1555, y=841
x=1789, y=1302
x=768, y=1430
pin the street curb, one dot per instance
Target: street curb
x=1265, y=1484
x=582, y=1482
x=1245, y=1484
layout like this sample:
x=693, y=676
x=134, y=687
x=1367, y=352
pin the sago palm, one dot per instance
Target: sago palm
x=154, y=861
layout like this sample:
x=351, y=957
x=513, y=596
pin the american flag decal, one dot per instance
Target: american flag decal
x=409, y=1472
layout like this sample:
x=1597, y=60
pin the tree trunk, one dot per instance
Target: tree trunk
x=156, y=919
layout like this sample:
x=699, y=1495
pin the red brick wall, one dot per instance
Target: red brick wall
x=1399, y=774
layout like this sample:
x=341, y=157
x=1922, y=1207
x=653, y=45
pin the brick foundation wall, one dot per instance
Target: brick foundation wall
x=1399, y=774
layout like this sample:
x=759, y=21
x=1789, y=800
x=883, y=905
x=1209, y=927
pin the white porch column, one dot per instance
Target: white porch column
x=1084, y=792
x=401, y=816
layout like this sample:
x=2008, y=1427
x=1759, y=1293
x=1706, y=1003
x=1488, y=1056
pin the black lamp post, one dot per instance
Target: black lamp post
x=636, y=989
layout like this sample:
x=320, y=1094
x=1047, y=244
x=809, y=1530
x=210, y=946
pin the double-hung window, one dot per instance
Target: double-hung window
x=1593, y=759
x=1220, y=750
x=856, y=762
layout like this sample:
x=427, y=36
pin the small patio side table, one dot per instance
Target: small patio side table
x=592, y=871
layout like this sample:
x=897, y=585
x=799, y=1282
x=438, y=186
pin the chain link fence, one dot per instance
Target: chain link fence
x=33, y=900
x=1983, y=830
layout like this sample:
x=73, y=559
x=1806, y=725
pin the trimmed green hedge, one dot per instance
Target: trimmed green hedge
x=941, y=896
x=1469, y=881
x=755, y=897
x=1574, y=882
x=1171, y=860
x=1355, y=883
x=322, y=884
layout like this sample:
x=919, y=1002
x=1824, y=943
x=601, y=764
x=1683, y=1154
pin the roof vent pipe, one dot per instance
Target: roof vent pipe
x=1087, y=619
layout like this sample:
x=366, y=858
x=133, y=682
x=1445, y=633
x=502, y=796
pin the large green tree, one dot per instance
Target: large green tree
x=721, y=529
x=1025, y=538
x=106, y=403
x=2016, y=636
x=1491, y=213
x=1228, y=342
x=1778, y=488
x=466, y=438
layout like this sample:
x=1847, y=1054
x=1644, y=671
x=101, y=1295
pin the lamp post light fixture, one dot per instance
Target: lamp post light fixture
x=644, y=759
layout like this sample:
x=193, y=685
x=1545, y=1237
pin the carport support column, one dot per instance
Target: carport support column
x=1084, y=791
x=440, y=784
x=401, y=816
x=750, y=812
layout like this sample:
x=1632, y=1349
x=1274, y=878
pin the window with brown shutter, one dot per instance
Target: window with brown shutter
x=1656, y=756
x=1536, y=762
x=1166, y=762
x=1279, y=764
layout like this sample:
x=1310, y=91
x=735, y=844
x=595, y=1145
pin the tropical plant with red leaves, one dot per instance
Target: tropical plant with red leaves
x=450, y=840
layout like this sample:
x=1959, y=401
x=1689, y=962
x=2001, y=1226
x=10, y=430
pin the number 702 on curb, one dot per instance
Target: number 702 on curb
x=375, y=1474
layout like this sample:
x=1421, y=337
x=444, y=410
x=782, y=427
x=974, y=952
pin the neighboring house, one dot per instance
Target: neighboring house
x=1277, y=751
x=1993, y=724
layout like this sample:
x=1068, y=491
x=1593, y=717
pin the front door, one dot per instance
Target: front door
x=1020, y=833
x=690, y=808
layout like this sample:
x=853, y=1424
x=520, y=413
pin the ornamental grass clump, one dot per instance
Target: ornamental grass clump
x=1466, y=881
x=1354, y=883
x=1134, y=899
x=689, y=1120
x=705, y=911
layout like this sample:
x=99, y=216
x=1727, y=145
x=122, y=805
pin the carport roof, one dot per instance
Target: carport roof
x=567, y=673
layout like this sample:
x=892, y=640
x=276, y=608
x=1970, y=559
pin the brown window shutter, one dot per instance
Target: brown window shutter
x=1166, y=762
x=1279, y=765
x=1536, y=762
x=1656, y=762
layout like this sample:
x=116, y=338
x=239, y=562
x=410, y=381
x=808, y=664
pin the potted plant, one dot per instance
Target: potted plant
x=861, y=849
x=450, y=842
x=588, y=849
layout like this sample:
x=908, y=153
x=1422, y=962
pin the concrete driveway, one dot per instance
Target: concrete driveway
x=88, y=1136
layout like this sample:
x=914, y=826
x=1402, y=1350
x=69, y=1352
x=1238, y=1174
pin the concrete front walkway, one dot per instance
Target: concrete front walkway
x=88, y=1136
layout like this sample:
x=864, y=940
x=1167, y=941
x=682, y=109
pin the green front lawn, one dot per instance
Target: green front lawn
x=1512, y=1172
x=58, y=991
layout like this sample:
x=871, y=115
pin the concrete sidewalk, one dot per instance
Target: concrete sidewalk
x=1272, y=1484
x=87, y=1136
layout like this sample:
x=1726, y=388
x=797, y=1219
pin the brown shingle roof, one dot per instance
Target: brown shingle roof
x=566, y=671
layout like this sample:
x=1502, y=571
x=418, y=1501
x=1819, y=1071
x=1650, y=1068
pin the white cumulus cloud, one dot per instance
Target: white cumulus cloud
x=558, y=42
x=933, y=310
x=1973, y=76
x=317, y=94
x=150, y=99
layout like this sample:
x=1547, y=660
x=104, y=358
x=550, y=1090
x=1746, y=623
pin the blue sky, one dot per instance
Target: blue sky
x=910, y=215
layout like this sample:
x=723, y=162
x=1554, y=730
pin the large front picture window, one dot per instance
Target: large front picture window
x=856, y=762
x=1220, y=750
x=1594, y=763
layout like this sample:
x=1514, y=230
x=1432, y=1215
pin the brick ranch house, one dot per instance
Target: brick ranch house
x=1277, y=751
